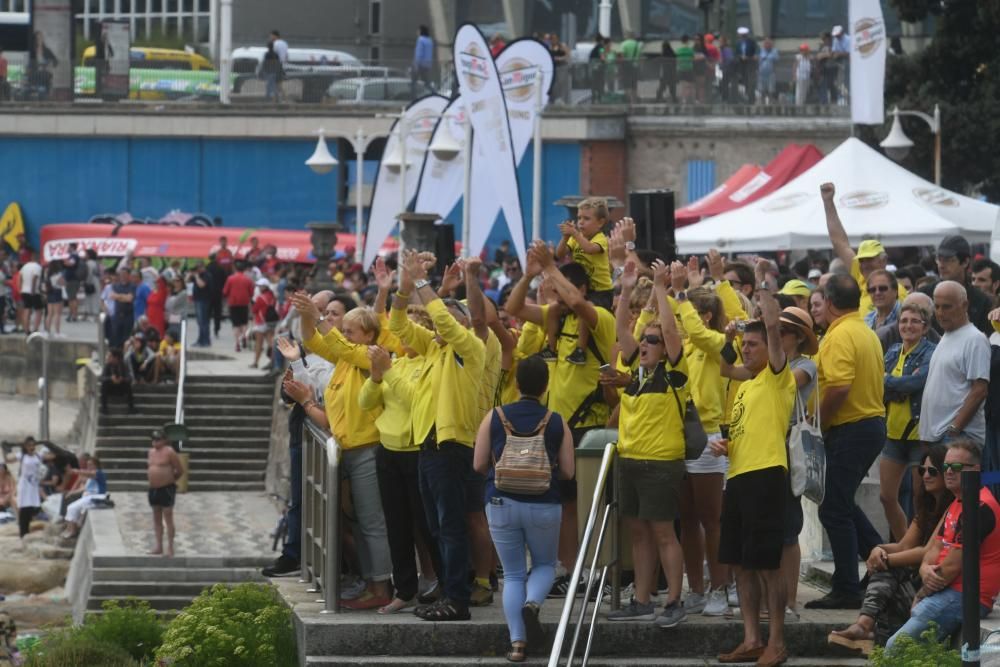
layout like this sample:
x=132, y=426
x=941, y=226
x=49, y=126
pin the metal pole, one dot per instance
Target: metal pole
x=43, y=392
x=213, y=31
x=467, y=188
x=305, y=538
x=536, y=173
x=226, y=48
x=970, y=568
x=331, y=567
x=937, y=146
x=102, y=342
x=360, y=145
x=604, y=18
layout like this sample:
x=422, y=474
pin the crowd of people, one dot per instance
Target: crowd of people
x=698, y=371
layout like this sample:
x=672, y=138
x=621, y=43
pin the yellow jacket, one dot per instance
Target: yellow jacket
x=350, y=425
x=447, y=395
x=702, y=350
x=395, y=396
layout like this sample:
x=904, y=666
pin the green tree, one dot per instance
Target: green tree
x=960, y=71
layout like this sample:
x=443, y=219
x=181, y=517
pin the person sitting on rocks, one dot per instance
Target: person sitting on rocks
x=96, y=488
x=893, y=568
x=8, y=500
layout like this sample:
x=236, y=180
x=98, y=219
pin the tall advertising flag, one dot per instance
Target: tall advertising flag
x=520, y=63
x=387, y=199
x=479, y=83
x=868, y=46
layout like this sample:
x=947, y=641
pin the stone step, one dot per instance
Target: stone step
x=148, y=590
x=176, y=574
x=180, y=562
x=206, y=408
x=225, y=382
x=197, y=473
x=139, y=453
x=143, y=421
x=121, y=486
x=600, y=661
x=213, y=440
x=121, y=465
x=159, y=603
x=163, y=400
x=196, y=431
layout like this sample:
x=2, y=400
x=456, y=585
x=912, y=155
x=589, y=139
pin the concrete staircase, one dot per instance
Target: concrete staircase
x=168, y=584
x=229, y=425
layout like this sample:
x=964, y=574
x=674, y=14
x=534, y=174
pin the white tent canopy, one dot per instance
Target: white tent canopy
x=876, y=198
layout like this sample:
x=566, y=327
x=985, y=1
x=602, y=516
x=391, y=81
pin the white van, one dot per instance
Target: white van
x=247, y=59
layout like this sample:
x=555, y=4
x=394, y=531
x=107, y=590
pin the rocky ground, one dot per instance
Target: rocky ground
x=32, y=574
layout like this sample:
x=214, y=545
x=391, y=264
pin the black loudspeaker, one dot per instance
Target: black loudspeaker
x=444, y=246
x=653, y=212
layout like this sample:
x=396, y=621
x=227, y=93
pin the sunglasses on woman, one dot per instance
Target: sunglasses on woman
x=928, y=470
x=651, y=339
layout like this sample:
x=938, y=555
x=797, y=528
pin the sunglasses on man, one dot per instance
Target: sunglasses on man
x=957, y=467
x=872, y=289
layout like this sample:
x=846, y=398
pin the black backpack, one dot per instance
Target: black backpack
x=271, y=314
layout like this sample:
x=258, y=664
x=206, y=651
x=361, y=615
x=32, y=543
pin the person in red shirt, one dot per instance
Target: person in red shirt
x=254, y=251
x=224, y=256
x=265, y=319
x=238, y=292
x=156, y=306
x=940, y=598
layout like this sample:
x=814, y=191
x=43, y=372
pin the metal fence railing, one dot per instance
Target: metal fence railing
x=320, y=557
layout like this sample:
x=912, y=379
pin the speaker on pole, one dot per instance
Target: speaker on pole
x=444, y=246
x=653, y=212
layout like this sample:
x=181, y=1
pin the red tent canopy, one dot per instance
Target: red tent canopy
x=174, y=241
x=693, y=212
x=788, y=164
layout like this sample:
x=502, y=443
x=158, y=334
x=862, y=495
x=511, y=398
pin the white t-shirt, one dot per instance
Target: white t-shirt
x=29, y=478
x=281, y=48
x=31, y=273
x=961, y=357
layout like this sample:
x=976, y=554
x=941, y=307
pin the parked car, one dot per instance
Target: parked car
x=365, y=90
x=247, y=59
x=141, y=57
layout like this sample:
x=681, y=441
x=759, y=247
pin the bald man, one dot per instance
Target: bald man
x=959, y=374
x=888, y=334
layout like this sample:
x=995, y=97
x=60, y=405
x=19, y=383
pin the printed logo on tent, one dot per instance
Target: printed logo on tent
x=864, y=199
x=750, y=187
x=785, y=202
x=935, y=196
x=474, y=66
x=105, y=247
x=518, y=79
x=868, y=34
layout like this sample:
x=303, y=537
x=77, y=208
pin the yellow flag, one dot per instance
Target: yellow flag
x=12, y=225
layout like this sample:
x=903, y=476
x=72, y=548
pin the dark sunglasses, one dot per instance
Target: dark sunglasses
x=651, y=339
x=878, y=288
x=956, y=467
x=928, y=470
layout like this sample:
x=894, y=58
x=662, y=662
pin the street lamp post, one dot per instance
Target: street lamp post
x=897, y=144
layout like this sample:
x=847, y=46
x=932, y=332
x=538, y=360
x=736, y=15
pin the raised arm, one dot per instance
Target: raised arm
x=417, y=337
x=770, y=312
x=838, y=237
x=516, y=305
x=570, y=295
x=668, y=322
x=465, y=342
x=384, y=279
x=475, y=298
x=626, y=341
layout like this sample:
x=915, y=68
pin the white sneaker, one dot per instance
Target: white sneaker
x=351, y=588
x=732, y=597
x=718, y=603
x=694, y=603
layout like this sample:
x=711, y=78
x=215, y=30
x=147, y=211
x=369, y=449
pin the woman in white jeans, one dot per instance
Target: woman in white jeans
x=95, y=489
x=518, y=521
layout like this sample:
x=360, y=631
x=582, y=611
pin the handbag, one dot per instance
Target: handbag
x=807, y=455
x=695, y=438
x=524, y=466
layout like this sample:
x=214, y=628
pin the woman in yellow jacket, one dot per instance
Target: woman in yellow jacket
x=355, y=431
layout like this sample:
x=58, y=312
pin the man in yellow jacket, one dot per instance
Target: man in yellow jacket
x=445, y=416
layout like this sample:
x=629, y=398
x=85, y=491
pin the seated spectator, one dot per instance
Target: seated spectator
x=893, y=568
x=96, y=488
x=140, y=358
x=152, y=334
x=168, y=357
x=73, y=487
x=939, y=599
x=116, y=378
x=8, y=499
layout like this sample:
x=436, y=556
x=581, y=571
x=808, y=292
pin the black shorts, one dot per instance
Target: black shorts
x=163, y=496
x=650, y=490
x=239, y=315
x=793, y=515
x=753, y=518
x=32, y=301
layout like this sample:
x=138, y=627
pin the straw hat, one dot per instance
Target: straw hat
x=801, y=320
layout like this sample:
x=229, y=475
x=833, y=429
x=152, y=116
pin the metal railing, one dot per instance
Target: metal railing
x=181, y=377
x=43, y=384
x=609, y=519
x=320, y=555
x=102, y=341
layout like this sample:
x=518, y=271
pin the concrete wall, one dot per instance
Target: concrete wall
x=21, y=365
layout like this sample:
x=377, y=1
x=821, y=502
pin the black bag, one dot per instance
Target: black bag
x=695, y=438
x=271, y=314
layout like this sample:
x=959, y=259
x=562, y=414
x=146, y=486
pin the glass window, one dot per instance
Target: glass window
x=375, y=18
x=374, y=90
x=700, y=178
x=817, y=9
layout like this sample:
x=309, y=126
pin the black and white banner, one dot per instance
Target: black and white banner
x=868, y=47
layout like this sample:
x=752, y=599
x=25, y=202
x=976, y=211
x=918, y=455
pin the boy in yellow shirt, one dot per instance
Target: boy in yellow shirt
x=586, y=240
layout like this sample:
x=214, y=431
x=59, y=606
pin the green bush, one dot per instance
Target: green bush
x=131, y=626
x=242, y=626
x=67, y=648
x=908, y=652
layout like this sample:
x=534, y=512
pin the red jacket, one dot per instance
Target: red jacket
x=261, y=304
x=238, y=289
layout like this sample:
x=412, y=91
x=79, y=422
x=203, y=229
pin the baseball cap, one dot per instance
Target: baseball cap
x=795, y=287
x=803, y=47
x=157, y=434
x=952, y=246
x=709, y=38
x=870, y=248
x=837, y=31
x=743, y=30
x=814, y=274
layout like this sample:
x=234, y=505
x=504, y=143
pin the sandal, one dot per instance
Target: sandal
x=516, y=652
x=444, y=610
x=853, y=637
x=395, y=606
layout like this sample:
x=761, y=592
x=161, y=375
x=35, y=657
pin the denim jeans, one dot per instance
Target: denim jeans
x=515, y=525
x=943, y=608
x=851, y=449
x=369, y=529
x=443, y=470
x=293, y=540
x=201, y=308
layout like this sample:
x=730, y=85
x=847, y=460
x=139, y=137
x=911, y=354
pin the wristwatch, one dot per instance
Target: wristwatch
x=681, y=296
x=423, y=282
x=630, y=245
x=764, y=285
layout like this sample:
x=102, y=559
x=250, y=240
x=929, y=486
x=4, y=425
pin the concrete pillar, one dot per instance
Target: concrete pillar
x=516, y=16
x=761, y=17
x=442, y=25
x=630, y=14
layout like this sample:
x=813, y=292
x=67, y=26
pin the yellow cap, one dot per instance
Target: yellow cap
x=870, y=248
x=795, y=287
